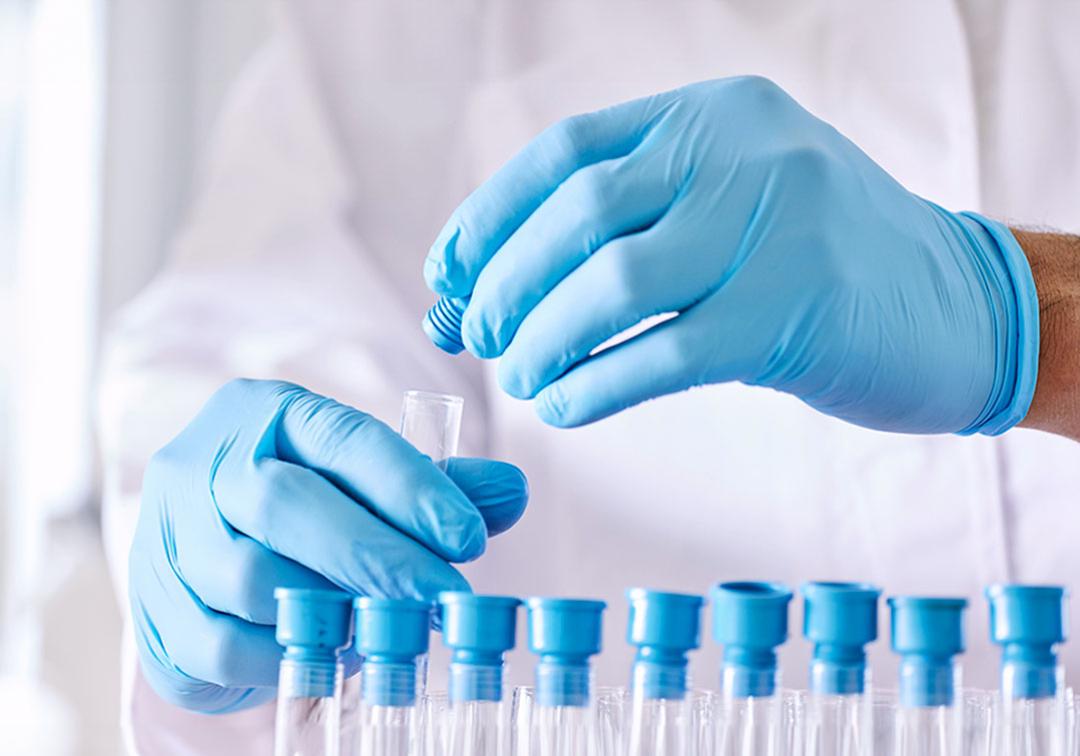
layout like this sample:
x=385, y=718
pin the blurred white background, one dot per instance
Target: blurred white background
x=104, y=105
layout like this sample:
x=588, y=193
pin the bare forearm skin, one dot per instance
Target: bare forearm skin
x=1055, y=265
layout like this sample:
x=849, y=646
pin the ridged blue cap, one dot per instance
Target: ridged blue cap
x=313, y=626
x=478, y=630
x=390, y=635
x=927, y=633
x=442, y=324
x=1028, y=621
x=664, y=627
x=750, y=619
x=564, y=633
x=840, y=619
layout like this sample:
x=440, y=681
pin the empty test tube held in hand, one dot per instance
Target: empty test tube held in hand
x=432, y=423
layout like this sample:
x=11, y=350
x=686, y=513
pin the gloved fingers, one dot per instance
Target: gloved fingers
x=188, y=640
x=299, y=514
x=234, y=574
x=593, y=206
x=488, y=216
x=629, y=279
x=675, y=355
x=195, y=695
x=380, y=470
x=498, y=489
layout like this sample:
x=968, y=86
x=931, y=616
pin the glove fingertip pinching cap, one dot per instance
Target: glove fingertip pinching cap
x=442, y=324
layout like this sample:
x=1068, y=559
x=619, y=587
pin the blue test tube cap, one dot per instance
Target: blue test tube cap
x=750, y=620
x=442, y=324
x=397, y=629
x=840, y=619
x=478, y=630
x=927, y=632
x=1028, y=621
x=750, y=614
x=564, y=633
x=664, y=627
x=315, y=620
x=313, y=625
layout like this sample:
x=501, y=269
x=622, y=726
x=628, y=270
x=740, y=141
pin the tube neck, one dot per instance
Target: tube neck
x=470, y=681
x=1029, y=670
x=838, y=670
x=563, y=681
x=748, y=672
x=927, y=681
x=388, y=681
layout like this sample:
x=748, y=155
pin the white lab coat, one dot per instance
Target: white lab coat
x=359, y=126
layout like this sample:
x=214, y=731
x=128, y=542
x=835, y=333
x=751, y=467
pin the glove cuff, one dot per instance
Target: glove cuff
x=1017, y=365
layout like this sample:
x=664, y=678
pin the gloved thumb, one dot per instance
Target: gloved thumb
x=498, y=489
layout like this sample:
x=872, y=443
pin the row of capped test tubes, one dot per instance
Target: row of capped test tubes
x=659, y=713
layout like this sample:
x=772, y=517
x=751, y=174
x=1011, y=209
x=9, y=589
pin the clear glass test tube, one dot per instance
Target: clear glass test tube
x=523, y=704
x=977, y=717
x=432, y=423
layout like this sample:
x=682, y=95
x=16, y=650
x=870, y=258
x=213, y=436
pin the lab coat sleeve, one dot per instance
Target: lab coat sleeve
x=268, y=279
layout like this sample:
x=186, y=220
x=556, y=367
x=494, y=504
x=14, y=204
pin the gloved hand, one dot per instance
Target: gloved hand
x=788, y=257
x=272, y=485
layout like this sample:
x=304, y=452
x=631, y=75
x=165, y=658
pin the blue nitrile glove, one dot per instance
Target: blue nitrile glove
x=272, y=485
x=791, y=259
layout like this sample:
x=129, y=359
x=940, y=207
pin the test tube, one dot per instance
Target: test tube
x=432, y=423
x=313, y=626
x=840, y=619
x=928, y=634
x=664, y=627
x=478, y=630
x=391, y=635
x=750, y=620
x=1028, y=622
x=565, y=633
